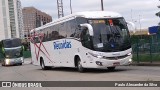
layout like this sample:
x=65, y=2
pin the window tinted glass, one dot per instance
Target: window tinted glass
x=62, y=30
x=10, y=43
x=111, y=35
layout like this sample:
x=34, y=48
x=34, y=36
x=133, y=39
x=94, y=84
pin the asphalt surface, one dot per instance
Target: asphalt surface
x=29, y=72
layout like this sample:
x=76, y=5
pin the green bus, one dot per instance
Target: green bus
x=11, y=51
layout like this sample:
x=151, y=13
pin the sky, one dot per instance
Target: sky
x=140, y=12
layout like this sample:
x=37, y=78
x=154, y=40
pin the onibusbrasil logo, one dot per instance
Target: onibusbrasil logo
x=62, y=45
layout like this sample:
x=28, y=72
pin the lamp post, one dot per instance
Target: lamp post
x=140, y=25
x=71, y=6
x=102, y=8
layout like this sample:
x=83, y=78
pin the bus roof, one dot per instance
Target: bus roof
x=10, y=39
x=98, y=14
x=86, y=14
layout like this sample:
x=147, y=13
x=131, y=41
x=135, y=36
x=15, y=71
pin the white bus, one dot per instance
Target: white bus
x=94, y=39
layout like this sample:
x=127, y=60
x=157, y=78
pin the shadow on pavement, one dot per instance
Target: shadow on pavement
x=64, y=69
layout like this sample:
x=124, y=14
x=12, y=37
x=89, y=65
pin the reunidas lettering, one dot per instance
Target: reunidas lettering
x=62, y=45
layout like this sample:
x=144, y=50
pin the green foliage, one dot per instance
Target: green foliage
x=27, y=54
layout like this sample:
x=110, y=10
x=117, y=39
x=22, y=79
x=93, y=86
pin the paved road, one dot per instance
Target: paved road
x=28, y=72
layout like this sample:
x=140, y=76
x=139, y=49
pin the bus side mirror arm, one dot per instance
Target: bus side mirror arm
x=90, y=28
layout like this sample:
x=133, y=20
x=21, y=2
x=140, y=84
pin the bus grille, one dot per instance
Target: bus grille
x=115, y=58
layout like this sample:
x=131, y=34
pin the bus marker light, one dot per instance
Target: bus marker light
x=111, y=22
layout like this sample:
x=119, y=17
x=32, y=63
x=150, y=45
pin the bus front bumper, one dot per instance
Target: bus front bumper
x=14, y=61
x=104, y=63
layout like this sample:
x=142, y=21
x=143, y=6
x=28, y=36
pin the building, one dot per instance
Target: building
x=11, y=23
x=34, y=18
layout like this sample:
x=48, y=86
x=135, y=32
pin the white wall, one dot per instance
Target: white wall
x=1, y=23
x=5, y=28
x=4, y=20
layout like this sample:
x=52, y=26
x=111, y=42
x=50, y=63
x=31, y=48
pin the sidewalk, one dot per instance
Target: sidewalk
x=146, y=64
x=27, y=61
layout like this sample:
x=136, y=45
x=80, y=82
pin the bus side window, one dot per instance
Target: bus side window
x=81, y=20
x=73, y=27
x=77, y=32
x=85, y=38
x=43, y=37
x=70, y=28
x=62, y=31
x=78, y=29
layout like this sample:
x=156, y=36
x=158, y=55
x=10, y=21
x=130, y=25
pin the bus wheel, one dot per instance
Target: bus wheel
x=3, y=63
x=42, y=64
x=79, y=65
x=111, y=68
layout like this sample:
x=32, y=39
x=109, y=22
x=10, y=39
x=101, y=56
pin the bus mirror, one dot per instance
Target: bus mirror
x=90, y=28
x=131, y=27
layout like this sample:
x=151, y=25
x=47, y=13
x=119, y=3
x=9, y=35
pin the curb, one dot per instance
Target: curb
x=146, y=64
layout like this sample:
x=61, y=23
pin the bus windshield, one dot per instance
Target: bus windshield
x=110, y=35
x=13, y=53
x=10, y=43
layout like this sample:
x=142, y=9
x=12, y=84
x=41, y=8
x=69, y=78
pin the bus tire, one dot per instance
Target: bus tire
x=79, y=65
x=3, y=63
x=111, y=68
x=42, y=64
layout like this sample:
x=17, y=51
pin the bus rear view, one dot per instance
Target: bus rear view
x=12, y=51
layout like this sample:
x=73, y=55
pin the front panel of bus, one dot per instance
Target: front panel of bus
x=111, y=41
x=12, y=51
x=111, y=35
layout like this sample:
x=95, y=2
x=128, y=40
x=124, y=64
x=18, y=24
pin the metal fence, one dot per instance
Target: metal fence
x=146, y=48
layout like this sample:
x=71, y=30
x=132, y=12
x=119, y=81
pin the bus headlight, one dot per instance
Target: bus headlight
x=22, y=59
x=7, y=61
x=97, y=56
x=130, y=60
